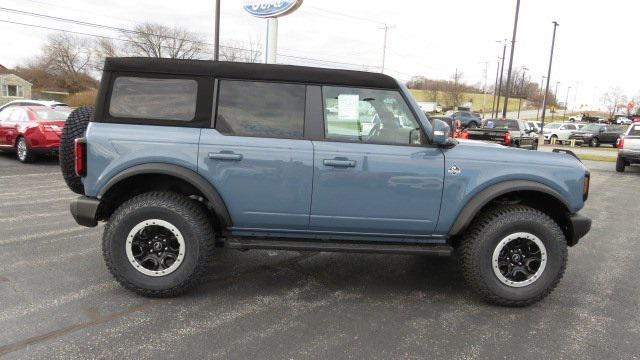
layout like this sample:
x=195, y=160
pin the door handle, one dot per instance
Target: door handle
x=339, y=163
x=225, y=156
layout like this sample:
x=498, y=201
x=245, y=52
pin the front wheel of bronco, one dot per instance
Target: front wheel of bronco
x=513, y=255
x=158, y=244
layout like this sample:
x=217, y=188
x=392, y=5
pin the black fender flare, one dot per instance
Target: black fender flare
x=478, y=201
x=188, y=175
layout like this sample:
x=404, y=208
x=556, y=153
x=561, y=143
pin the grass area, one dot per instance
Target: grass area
x=474, y=98
x=596, y=157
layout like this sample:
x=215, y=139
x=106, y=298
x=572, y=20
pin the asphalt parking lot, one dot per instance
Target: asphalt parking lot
x=57, y=299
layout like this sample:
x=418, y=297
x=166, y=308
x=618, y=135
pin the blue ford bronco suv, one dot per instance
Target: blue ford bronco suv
x=180, y=157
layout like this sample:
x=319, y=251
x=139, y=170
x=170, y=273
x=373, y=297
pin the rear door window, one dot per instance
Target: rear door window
x=153, y=98
x=261, y=109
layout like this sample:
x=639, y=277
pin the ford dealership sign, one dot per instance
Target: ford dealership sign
x=271, y=8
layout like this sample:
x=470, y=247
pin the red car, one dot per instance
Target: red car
x=31, y=130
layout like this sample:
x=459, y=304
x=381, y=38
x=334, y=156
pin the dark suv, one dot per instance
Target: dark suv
x=596, y=134
x=180, y=157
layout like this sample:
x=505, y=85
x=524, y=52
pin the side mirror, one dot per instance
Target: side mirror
x=440, y=133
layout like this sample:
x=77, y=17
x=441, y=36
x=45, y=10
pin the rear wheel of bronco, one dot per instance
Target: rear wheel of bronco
x=158, y=244
x=513, y=255
x=75, y=127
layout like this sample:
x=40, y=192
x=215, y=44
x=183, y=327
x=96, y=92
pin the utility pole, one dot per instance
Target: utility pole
x=216, y=36
x=513, y=48
x=524, y=71
x=555, y=96
x=484, y=88
x=566, y=102
x=504, y=53
x=495, y=87
x=544, y=103
x=541, y=83
x=386, y=29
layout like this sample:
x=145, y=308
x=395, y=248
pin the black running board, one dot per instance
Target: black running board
x=343, y=246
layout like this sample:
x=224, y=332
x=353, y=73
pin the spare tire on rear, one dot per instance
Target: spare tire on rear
x=75, y=127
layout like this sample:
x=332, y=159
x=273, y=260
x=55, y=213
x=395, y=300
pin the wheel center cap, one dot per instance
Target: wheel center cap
x=515, y=257
x=157, y=246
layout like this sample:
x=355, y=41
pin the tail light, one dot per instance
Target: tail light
x=620, y=143
x=80, y=152
x=585, y=186
x=507, y=138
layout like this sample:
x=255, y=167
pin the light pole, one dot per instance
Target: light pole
x=513, y=48
x=541, y=83
x=544, y=102
x=216, y=36
x=555, y=96
x=524, y=71
x=566, y=102
x=504, y=53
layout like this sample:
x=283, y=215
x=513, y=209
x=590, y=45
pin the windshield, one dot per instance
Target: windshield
x=51, y=114
x=591, y=127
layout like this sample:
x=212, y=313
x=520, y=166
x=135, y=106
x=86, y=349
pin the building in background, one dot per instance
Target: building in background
x=13, y=87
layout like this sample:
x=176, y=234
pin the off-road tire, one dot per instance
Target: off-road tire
x=486, y=232
x=187, y=215
x=620, y=164
x=75, y=127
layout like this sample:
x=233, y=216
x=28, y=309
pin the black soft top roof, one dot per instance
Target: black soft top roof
x=251, y=71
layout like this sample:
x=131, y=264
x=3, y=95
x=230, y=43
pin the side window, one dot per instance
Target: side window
x=261, y=109
x=571, y=127
x=5, y=113
x=369, y=116
x=153, y=98
x=18, y=115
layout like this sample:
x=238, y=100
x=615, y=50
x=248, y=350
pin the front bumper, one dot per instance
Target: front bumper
x=580, y=226
x=85, y=211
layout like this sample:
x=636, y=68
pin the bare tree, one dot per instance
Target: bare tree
x=612, y=100
x=65, y=54
x=104, y=48
x=161, y=41
x=241, y=52
x=455, y=90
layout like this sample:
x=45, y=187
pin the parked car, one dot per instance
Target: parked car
x=596, y=134
x=507, y=132
x=467, y=118
x=623, y=120
x=628, y=148
x=558, y=131
x=576, y=118
x=49, y=103
x=241, y=169
x=31, y=130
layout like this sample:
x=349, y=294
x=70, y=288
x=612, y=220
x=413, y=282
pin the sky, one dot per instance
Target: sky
x=596, y=44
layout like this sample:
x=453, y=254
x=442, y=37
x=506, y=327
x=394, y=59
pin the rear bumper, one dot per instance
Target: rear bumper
x=85, y=211
x=580, y=225
x=629, y=154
